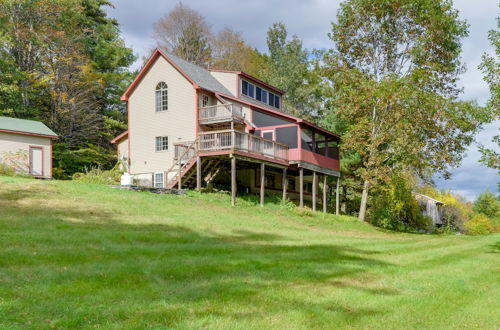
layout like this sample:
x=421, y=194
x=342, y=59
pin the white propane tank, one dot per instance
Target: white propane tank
x=126, y=179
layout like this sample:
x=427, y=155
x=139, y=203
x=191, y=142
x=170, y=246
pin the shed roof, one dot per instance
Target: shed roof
x=23, y=126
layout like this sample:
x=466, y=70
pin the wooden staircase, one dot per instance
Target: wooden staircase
x=187, y=153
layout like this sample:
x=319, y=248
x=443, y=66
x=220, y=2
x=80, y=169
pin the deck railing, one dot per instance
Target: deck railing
x=220, y=113
x=237, y=140
x=185, y=150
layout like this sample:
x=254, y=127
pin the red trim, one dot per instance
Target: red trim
x=50, y=159
x=242, y=153
x=128, y=140
x=119, y=137
x=197, y=112
x=299, y=138
x=27, y=133
x=272, y=127
x=307, y=156
x=269, y=130
x=43, y=160
x=152, y=59
x=238, y=86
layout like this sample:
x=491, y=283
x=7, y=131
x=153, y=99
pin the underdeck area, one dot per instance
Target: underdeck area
x=244, y=174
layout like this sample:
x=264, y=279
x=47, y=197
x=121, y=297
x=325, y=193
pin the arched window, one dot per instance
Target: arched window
x=161, y=95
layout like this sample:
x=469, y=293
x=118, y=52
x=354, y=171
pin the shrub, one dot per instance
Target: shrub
x=455, y=211
x=98, y=176
x=479, y=224
x=14, y=163
x=68, y=161
x=453, y=218
x=396, y=208
x=488, y=204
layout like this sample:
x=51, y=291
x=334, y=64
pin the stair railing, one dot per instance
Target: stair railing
x=179, y=157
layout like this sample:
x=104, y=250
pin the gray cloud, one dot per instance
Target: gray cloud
x=311, y=20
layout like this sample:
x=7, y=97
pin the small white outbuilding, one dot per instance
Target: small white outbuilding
x=26, y=145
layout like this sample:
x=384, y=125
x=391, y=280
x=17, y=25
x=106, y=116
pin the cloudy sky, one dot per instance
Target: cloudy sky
x=310, y=21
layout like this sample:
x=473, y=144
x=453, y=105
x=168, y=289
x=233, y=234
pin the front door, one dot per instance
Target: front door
x=268, y=146
x=36, y=161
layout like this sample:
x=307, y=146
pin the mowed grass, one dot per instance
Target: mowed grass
x=87, y=256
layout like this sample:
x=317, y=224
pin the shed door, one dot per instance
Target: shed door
x=36, y=160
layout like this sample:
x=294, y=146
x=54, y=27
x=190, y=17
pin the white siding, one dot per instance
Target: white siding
x=11, y=143
x=178, y=122
x=228, y=80
x=123, y=148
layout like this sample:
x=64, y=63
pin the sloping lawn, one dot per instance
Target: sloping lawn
x=87, y=256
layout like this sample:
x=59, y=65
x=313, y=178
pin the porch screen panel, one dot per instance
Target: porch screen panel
x=287, y=135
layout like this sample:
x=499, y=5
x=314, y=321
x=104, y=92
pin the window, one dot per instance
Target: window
x=244, y=87
x=250, y=90
x=271, y=99
x=161, y=96
x=204, y=100
x=291, y=184
x=258, y=93
x=158, y=180
x=161, y=143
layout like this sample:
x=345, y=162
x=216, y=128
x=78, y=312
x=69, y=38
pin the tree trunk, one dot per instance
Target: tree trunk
x=364, y=201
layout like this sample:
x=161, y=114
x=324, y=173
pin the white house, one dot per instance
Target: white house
x=188, y=126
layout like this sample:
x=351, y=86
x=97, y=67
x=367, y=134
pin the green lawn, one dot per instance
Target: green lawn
x=87, y=256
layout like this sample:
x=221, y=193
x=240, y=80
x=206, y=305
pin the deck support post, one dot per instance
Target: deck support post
x=301, y=190
x=233, y=181
x=285, y=184
x=180, y=169
x=262, y=183
x=337, y=196
x=325, y=190
x=198, y=173
x=314, y=190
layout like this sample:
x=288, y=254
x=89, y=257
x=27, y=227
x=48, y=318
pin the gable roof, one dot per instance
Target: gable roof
x=120, y=137
x=23, y=126
x=201, y=76
x=196, y=75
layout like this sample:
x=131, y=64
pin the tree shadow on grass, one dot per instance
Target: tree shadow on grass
x=495, y=248
x=158, y=274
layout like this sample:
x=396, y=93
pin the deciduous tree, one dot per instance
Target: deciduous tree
x=184, y=33
x=394, y=71
x=491, y=69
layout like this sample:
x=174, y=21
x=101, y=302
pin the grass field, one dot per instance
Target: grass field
x=87, y=256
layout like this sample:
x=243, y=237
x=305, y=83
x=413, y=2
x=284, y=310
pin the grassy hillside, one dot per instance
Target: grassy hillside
x=83, y=256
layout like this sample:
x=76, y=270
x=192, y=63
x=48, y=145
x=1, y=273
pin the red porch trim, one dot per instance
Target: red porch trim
x=307, y=156
x=244, y=154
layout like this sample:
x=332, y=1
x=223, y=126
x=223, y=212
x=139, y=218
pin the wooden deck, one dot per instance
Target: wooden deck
x=220, y=113
x=234, y=141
